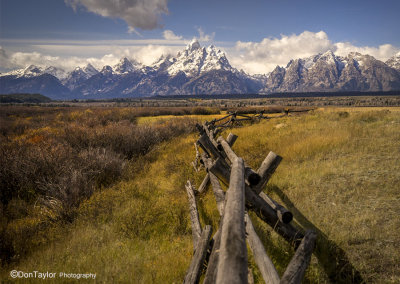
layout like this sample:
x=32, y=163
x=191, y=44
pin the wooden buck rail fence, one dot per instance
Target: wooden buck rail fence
x=223, y=257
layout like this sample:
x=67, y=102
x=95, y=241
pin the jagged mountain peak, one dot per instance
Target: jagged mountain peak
x=394, y=61
x=126, y=65
x=212, y=50
x=163, y=62
x=33, y=69
x=56, y=72
x=357, y=56
x=107, y=70
x=79, y=75
x=28, y=72
x=90, y=70
x=195, y=60
x=328, y=56
x=87, y=71
x=193, y=45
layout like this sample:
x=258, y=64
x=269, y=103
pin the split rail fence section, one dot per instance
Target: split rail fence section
x=223, y=258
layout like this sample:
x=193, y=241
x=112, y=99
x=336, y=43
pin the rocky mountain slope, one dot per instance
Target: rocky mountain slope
x=328, y=72
x=394, y=62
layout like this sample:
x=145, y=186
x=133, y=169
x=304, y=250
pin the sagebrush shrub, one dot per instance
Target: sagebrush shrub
x=52, y=161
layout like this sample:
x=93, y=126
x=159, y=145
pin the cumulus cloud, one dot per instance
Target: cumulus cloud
x=382, y=52
x=106, y=55
x=18, y=60
x=264, y=56
x=143, y=14
x=169, y=35
x=150, y=53
x=4, y=60
x=23, y=59
x=253, y=57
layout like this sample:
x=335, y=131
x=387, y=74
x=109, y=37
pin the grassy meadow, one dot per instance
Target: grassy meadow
x=102, y=191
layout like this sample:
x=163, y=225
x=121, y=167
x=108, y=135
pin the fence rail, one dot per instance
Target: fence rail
x=226, y=261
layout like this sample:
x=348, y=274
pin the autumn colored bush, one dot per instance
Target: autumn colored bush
x=53, y=160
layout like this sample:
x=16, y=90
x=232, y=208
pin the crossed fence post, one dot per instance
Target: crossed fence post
x=227, y=259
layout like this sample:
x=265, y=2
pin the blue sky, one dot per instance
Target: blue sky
x=256, y=35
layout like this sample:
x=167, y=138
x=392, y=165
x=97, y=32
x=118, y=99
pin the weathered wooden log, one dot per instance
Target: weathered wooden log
x=216, y=186
x=196, y=265
x=231, y=139
x=232, y=265
x=244, y=119
x=284, y=215
x=222, y=170
x=298, y=265
x=218, y=193
x=228, y=150
x=252, y=177
x=250, y=278
x=203, y=186
x=208, y=147
x=194, y=214
x=222, y=118
x=243, y=115
x=264, y=263
x=267, y=168
x=260, y=207
x=212, y=267
x=210, y=134
x=265, y=212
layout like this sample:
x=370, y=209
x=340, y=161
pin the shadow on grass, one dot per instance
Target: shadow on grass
x=332, y=258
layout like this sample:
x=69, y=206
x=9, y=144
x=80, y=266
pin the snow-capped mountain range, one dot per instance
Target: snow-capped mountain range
x=328, y=72
x=206, y=70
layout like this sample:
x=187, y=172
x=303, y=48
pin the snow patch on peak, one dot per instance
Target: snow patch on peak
x=90, y=70
x=106, y=70
x=29, y=72
x=328, y=53
x=328, y=56
x=56, y=72
x=124, y=66
x=357, y=57
x=195, y=60
x=394, y=61
x=33, y=70
x=193, y=45
x=310, y=61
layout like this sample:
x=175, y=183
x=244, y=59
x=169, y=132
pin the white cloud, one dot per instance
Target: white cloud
x=203, y=36
x=382, y=52
x=150, y=53
x=104, y=55
x=264, y=56
x=253, y=57
x=169, y=35
x=4, y=59
x=23, y=59
x=143, y=14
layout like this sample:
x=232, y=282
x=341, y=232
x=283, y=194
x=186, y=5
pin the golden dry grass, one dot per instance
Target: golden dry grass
x=340, y=175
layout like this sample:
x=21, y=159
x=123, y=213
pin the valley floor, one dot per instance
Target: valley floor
x=340, y=175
